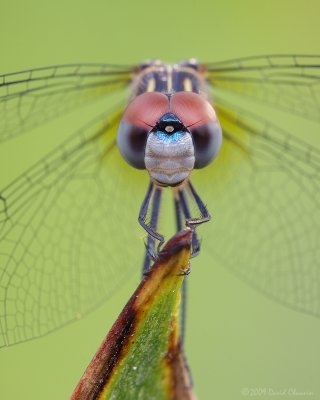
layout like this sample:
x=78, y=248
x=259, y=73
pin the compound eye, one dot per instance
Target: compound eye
x=207, y=140
x=131, y=141
x=138, y=119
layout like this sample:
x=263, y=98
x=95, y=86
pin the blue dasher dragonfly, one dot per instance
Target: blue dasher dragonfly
x=68, y=226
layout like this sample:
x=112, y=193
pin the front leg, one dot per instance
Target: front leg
x=182, y=205
x=153, y=196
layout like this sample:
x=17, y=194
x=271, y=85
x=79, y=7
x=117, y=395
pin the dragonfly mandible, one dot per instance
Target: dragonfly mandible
x=68, y=226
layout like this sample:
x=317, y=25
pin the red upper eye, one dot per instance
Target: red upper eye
x=146, y=109
x=192, y=109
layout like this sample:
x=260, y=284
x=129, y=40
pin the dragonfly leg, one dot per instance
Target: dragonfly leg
x=153, y=196
x=184, y=206
x=205, y=216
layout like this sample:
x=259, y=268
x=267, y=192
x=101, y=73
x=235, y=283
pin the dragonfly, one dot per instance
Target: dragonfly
x=69, y=235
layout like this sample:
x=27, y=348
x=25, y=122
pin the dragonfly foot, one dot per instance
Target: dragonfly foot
x=184, y=272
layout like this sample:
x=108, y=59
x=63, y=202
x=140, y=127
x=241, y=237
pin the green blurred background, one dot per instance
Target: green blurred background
x=236, y=338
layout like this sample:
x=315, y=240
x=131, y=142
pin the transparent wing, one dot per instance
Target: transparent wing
x=68, y=236
x=30, y=98
x=288, y=82
x=264, y=194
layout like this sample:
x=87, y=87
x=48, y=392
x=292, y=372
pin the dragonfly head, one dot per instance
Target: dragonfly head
x=169, y=135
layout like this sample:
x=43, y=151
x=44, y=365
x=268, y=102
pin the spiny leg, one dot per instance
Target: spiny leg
x=184, y=207
x=150, y=246
x=193, y=222
x=205, y=216
x=153, y=196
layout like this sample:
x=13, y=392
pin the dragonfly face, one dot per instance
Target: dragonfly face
x=56, y=218
x=169, y=135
